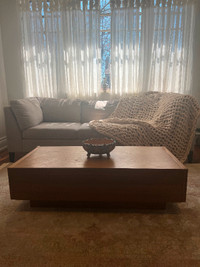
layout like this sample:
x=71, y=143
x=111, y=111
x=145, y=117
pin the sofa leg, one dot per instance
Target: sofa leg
x=190, y=157
x=12, y=156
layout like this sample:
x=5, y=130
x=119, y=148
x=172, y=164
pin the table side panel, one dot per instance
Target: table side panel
x=125, y=185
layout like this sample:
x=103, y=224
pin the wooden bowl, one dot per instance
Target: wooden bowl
x=99, y=146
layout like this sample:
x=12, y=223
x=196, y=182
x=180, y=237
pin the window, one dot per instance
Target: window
x=77, y=47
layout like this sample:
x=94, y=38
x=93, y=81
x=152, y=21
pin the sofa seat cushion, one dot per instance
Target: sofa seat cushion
x=61, y=130
x=86, y=132
x=53, y=130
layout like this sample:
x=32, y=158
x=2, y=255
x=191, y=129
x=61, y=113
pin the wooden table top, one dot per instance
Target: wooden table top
x=122, y=157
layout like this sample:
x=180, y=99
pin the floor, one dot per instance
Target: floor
x=52, y=237
x=4, y=157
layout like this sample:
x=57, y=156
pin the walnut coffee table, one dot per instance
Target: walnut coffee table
x=133, y=177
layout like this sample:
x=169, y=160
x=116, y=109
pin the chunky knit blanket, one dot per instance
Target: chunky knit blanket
x=153, y=119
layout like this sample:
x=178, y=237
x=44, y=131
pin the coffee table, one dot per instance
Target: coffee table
x=133, y=177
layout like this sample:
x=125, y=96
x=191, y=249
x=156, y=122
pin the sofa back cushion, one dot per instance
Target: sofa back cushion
x=60, y=110
x=27, y=112
x=89, y=112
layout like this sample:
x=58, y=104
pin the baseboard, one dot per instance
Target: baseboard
x=3, y=143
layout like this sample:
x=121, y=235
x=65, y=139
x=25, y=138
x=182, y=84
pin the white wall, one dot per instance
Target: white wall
x=3, y=99
x=10, y=30
x=196, y=59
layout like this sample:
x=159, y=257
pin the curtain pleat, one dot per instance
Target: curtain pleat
x=148, y=3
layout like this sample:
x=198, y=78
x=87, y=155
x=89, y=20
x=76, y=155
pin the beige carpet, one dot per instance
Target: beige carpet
x=68, y=238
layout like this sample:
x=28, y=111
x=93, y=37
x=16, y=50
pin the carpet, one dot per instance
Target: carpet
x=115, y=238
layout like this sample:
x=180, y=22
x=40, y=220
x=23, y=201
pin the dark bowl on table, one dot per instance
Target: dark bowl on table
x=99, y=146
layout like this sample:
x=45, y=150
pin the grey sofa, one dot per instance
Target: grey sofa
x=35, y=121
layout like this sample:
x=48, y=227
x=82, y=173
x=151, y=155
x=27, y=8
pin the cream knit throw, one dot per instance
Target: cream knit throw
x=153, y=119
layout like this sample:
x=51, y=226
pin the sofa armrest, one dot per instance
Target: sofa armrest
x=14, y=135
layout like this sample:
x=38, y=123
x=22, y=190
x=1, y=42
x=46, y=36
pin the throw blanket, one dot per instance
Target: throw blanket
x=153, y=119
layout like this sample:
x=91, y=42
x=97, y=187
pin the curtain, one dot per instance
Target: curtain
x=61, y=48
x=131, y=49
x=152, y=46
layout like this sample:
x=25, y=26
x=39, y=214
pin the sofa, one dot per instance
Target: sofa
x=38, y=121
x=144, y=119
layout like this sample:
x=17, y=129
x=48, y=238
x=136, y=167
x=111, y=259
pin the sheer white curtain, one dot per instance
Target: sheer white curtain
x=131, y=48
x=152, y=45
x=61, y=48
